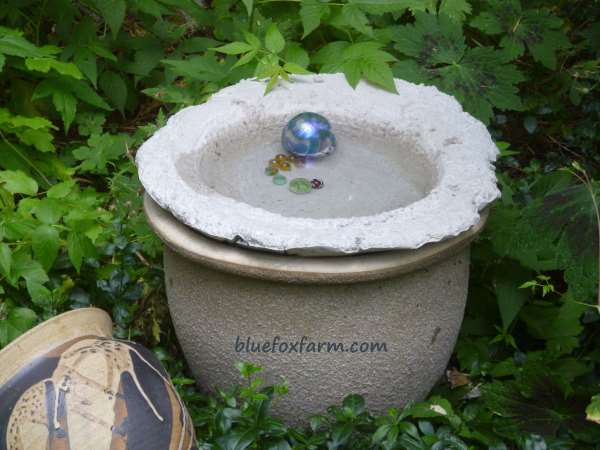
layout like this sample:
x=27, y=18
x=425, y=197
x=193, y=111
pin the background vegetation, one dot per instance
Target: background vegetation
x=83, y=83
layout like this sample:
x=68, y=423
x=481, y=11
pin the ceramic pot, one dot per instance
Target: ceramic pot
x=412, y=302
x=68, y=385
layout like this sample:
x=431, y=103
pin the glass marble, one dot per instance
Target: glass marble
x=308, y=135
x=285, y=165
x=316, y=183
x=279, y=180
x=300, y=186
x=281, y=158
x=270, y=171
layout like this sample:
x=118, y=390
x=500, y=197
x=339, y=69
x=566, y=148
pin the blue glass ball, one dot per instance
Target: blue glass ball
x=308, y=135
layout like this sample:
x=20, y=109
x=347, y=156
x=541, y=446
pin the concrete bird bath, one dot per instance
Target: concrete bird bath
x=374, y=266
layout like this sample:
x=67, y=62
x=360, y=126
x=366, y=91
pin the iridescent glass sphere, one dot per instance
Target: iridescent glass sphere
x=308, y=135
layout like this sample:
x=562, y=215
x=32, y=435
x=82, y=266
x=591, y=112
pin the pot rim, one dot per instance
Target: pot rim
x=343, y=269
x=58, y=329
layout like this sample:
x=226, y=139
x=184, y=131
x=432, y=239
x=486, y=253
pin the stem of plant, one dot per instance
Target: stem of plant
x=251, y=19
x=584, y=178
x=26, y=159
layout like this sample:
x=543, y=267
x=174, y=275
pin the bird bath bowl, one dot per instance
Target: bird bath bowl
x=357, y=287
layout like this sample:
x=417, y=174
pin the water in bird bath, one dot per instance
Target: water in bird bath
x=366, y=175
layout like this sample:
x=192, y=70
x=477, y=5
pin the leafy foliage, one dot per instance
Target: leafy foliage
x=536, y=29
x=82, y=84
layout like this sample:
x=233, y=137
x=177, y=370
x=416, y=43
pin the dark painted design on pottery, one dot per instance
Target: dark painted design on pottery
x=93, y=393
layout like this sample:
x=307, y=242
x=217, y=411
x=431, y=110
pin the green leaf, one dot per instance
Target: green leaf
x=480, y=78
x=328, y=56
x=66, y=105
x=249, y=4
x=45, y=64
x=85, y=60
x=482, y=81
x=311, y=13
x=352, y=71
x=280, y=444
x=40, y=139
x=272, y=83
x=79, y=247
x=535, y=404
x=12, y=43
x=17, y=182
x=17, y=321
x=197, y=44
x=113, y=12
x=237, y=440
x=431, y=40
x=537, y=29
x=546, y=321
x=101, y=150
x=252, y=40
x=295, y=68
x=45, y=242
x=434, y=407
x=245, y=59
x=61, y=190
x=510, y=298
x=356, y=18
x=379, y=73
x=115, y=89
x=5, y=259
x=23, y=266
x=363, y=59
x=267, y=67
x=234, y=48
x=49, y=210
x=294, y=53
x=355, y=404
x=274, y=41
x=202, y=68
x=385, y=6
x=35, y=123
x=593, y=410
x=2, y=61
x=98, y=48
x=64, y=89
x=455, y=9
x=340, y=434
x=84, y=92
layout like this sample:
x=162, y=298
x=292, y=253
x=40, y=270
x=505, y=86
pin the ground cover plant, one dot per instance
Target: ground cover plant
x=83, y=83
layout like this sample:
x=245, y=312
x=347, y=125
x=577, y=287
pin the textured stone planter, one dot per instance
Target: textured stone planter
x=374, y=267
x=66, y=384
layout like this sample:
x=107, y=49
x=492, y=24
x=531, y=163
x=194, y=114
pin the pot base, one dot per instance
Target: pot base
x=397, y=333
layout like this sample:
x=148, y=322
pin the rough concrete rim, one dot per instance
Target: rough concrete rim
x=459, y=147
x=299, y=269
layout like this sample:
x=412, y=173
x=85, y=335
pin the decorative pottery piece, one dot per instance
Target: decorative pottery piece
x=308, y=135
x=68, y=385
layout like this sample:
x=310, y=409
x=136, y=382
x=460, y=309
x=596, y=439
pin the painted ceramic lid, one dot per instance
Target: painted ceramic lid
x=409, y=169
